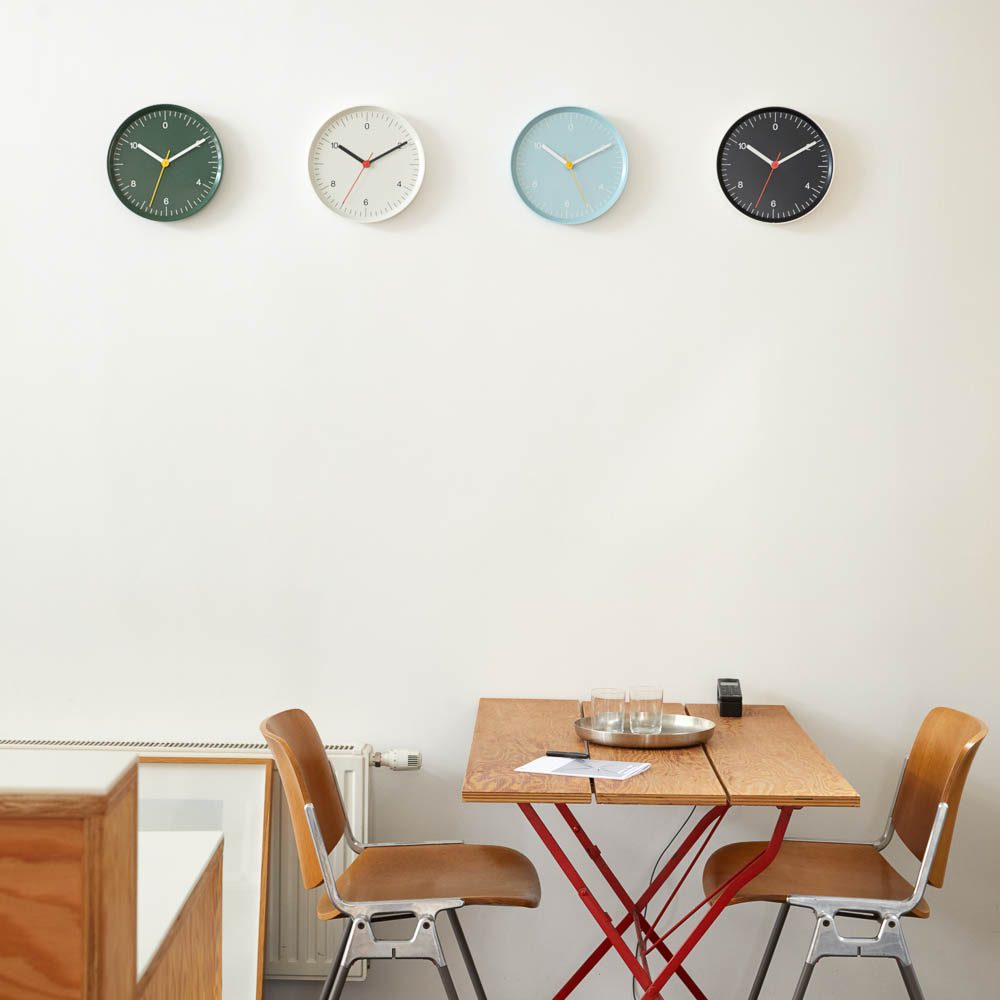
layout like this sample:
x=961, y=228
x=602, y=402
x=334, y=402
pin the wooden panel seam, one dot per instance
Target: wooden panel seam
x=711, y=763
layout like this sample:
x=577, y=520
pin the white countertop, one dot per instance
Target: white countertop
x=170, y=864
x=61, y=772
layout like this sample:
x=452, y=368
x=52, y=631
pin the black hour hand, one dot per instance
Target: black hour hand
x=388, y=151
x=344, y=149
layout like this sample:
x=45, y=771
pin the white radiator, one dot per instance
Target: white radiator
x=298, y=945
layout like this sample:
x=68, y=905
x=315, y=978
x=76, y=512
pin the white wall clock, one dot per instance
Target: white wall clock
x=366, y=164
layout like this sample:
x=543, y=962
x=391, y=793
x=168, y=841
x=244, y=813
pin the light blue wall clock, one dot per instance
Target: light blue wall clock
x=569, y=165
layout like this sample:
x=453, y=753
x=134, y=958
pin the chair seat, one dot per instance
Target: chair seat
x=807, y=868
x=476, y=873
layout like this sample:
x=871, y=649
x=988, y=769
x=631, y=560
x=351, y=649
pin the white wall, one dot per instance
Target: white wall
x=266, y=457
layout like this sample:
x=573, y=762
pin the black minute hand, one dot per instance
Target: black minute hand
x=388, y=151
x=349, y=153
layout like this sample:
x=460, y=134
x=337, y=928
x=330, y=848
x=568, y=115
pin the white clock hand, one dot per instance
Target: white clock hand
x=757, y=152
x=194, y=145
x=149, y=152
x=561, y=159
x=593, y=152
x=808, y=145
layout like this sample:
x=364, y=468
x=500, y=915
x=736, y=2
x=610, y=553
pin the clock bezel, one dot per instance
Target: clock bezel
x=765, y=111
x=110, y=162
x=407, y=124
x=619, y=139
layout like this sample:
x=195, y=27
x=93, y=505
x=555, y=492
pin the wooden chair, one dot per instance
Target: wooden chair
x=855, y=879
x=385, y=881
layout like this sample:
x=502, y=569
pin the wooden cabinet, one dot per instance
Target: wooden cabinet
x=67, y=876
x=68, y=887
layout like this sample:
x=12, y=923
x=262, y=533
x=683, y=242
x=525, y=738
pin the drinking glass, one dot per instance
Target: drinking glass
x=645, y=709
x=607, y=709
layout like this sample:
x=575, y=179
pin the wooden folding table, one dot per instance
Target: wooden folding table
x=761, y=759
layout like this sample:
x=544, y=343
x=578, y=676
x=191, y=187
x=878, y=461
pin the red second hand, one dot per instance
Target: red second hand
x=774, y=166
x=365, y=164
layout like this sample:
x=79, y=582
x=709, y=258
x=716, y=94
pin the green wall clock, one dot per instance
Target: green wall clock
x=165, y=162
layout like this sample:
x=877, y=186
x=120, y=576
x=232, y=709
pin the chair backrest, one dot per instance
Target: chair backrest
x=306, y=776
x=935, y=772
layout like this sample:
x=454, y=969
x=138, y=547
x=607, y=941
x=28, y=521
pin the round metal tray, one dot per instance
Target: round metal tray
x=675, y=731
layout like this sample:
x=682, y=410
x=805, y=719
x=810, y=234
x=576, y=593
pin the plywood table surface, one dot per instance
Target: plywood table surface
x=765, y=758
x=675, y=777
x=512, y=731
x=762, y=759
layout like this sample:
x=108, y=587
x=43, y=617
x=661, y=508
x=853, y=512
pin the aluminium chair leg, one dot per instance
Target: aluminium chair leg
x=331, y=980
x=910, y=979
x=447, y=982
x=772, y=943
x=800, y=990
x=345, y=959
x=339, y=983
x=463, y=947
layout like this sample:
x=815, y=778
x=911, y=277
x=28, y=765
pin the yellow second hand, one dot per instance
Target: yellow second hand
x=576, y=180
x=163, y=166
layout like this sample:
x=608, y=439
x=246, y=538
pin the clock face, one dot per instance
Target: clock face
x=569, y=165
x=165, y=163
x=775, y=165
x=367, y=164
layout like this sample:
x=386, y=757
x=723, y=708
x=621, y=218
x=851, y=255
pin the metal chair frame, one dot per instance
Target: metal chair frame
x=888, y=942
x=360, y=941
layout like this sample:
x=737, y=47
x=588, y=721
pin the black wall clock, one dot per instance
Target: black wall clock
x=775, y=165
x=165, y=162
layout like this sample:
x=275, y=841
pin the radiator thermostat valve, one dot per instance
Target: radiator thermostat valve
x=398, y=760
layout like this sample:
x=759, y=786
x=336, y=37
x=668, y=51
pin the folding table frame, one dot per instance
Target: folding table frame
x=763, y=759
x=648, y=939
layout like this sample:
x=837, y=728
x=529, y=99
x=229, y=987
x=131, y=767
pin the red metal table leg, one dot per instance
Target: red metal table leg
x=654, y=887
x=633, y=909
x=722, y=900
x=612, y=932
x=645, y=930
x=596, y=910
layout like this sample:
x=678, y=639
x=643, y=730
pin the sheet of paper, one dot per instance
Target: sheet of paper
x=611, y=770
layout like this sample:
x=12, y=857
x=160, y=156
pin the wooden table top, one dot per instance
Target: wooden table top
x=763, y=758
x=681, y=777
x=512, y=731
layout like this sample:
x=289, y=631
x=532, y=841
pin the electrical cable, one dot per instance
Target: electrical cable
x=652, y=875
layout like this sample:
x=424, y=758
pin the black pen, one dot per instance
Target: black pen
x=571, y=754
